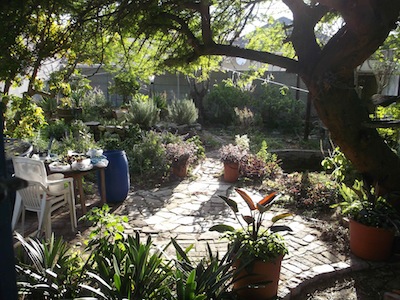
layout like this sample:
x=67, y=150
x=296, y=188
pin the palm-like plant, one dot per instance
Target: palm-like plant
x=48, y=268
x=255, y=242
x=209, y=278
x=129, y=269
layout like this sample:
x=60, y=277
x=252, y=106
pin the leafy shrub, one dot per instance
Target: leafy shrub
x=49, y=106
x=77, y=138
x=142, y=111
x=200, y=151
x=148, y=157
x=220, y=102
x=95, y=106
x=56, y=129
x=261, y=165
x=391, y=135
x=312, y=193
x=279, y=109
x=160, y=100
x=183, y=112
x=22, y=117
x=340, y=167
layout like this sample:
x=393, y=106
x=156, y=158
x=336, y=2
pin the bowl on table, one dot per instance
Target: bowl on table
x=56, y=188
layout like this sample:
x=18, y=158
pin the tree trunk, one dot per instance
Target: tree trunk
x=345, y=115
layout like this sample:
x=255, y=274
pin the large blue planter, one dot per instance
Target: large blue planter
x=116, y=176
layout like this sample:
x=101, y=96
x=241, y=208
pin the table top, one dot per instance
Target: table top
x=72, y=171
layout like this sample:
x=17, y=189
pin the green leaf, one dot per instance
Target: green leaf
x=222, y=228
x=280, y=228
x=248, y=219
x=280, y=216
x=231, y=203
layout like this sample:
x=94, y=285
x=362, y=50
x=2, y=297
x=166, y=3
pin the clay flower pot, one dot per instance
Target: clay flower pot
x=259, y=280
x=231, y=171
x=370, y=243
x=180, y=170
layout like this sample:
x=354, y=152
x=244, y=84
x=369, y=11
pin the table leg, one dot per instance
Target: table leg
x=103, y=186
x=81, y=193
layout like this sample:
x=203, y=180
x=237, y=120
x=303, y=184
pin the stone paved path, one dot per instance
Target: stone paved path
x=186, y=210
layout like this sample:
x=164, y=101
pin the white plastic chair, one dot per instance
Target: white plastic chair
x=39, y=196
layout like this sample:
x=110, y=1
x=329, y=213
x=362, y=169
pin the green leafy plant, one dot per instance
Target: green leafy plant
x=183, y=112
x=220, y=102
x=391, y=135
x=128, y=269
x=209, y=278
x=105, y=224
x=363, y=205
x=147, y=156
x=142, y=111
x=121, y=266
x=254, y=241
x=279, y=109
x=341, y=168
x=261, y=165
x=22, y=116
x=47, y=269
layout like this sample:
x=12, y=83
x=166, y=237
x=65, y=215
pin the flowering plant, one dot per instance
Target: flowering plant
x=181, y=153
x=253, y=241
x=231, y=153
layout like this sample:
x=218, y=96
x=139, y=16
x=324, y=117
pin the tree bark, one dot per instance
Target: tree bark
x=344, y=114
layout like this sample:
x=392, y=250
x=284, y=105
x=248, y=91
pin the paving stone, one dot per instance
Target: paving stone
x=299, y=264
x=309, y=238
x=323, y=269
x=291, y=267
x=340, y=265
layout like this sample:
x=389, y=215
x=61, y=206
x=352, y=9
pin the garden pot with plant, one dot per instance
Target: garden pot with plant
x=258, y=251
x=231, y=155
x=180, y=154
x=373, y=222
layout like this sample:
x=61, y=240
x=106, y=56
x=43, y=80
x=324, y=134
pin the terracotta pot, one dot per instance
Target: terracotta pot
x=180, y=170
x=370, y=243
x=231, y=172
x=246, y=280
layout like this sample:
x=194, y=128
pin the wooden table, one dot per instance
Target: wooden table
x=78, y=176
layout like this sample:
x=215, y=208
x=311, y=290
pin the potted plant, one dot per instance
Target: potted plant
x=231, y=156
x=373, y=222
x=258, y=250
x=180, y=154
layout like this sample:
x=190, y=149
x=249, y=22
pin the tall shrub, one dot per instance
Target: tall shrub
x=279, y=109
x=183, y=112
x=142, y=111
x=219, y=104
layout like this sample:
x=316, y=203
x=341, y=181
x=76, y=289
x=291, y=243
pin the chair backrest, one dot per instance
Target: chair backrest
x=33, y=196
x=30, y=169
